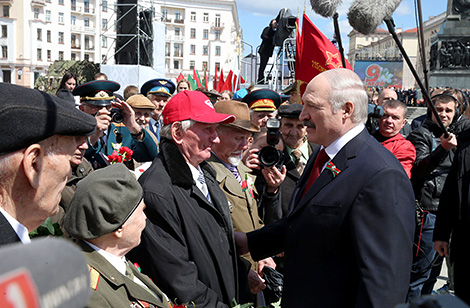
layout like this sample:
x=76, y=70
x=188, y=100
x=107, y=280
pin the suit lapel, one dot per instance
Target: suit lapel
x=341, y=161
x=7, y=234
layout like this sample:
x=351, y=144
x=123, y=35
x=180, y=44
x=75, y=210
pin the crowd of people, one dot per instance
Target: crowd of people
x=181, y=196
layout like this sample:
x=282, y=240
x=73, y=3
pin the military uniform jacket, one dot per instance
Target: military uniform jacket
x=112, y=289
x=188, y=244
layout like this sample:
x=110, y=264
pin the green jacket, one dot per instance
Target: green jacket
x=112, y=289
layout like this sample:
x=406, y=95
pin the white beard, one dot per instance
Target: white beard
x=235, y=160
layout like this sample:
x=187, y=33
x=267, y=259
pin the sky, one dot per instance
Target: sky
x=255, y=15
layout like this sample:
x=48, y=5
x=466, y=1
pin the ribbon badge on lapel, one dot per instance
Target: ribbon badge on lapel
x=248, y=184
x=330, y=166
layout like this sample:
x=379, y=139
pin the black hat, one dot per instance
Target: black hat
x=102, y=203
x=97, y=92
x=28, y=116
x=67, y=96
x=290, y=88
x=158, y=86
x=290, y=111
x=262, y=100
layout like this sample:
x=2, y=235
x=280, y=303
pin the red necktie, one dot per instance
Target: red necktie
x=320, y=160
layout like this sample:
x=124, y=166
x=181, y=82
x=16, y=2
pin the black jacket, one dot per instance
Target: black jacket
x=267, y=45
x=187, y=246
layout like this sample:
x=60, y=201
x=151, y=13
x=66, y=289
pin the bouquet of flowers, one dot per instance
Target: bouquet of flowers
x=123, y=154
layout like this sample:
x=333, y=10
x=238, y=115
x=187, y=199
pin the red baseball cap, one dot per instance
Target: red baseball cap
x=193, y=105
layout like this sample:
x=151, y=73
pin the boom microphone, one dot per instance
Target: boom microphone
x=366, y=15
x=47, y=273
x=325, y=8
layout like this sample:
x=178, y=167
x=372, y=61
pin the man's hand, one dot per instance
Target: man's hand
x=265, y=262
x=252, y=161
x=241, y=242
x=442, y=248
x=129, y=117
x=255, y=282
x=102, y=123
x=449, y=143
x=273, y=177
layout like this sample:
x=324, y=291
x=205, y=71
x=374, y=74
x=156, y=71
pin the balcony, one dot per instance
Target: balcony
x=88, y=11
x=37, y=2
x=177, y=54
x=75, y=28
x=218, y=25
x=179, y=21
x=89, y=48
x=166, y=20
x=75, y=46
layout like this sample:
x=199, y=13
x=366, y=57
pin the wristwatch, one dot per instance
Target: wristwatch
x=138, y=134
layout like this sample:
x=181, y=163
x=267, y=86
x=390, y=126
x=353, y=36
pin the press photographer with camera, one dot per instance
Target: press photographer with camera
x=116, y=124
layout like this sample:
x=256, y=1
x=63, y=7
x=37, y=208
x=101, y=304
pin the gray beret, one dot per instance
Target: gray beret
x=28, y=116
x=103, y=201
x=290, y=111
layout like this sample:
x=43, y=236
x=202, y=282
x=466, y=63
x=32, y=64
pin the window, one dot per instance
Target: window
x=205, y=17
x=61, y=2
x=177, y=16
x=87, y=57
x=217, y=50
x=61, y=18
x=191, y=64
x=167, y=49
x=177, y=31
x=87, y=43
x=6, y=11
x=104, y=6
x=104, y=42
x=193, y=33
x=217, y=34
x=73, y=5
x=4, y=52
x=177, y=50
x=205, y=50
x=205, y=34
x=192, y=49
x=39, y=34
x=193, y=16
x=164, y=14
x=217, y=65
x=48, y=15
x=87, y=22
x=73, y=56
x=4, y=31
x=73, y=40
x=87, y=6
x=73, y=20
x=6, y=76
x=48, y=36
x=217, y=20
x=39, y=52
x=48, y=55
x=61, y=37
x=36, y=13
x=104, y=24
x=61, y=55
x=204, y=65
x=176, y=64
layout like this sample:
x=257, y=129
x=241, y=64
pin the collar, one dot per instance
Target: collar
x=19, y=229
x=339, y=143
x=303, y=148
x=117, y=262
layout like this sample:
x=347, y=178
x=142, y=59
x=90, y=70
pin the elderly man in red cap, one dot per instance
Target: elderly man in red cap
x=188, y=244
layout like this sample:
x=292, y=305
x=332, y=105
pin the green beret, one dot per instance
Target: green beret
x=103, y=201
x=29, y=116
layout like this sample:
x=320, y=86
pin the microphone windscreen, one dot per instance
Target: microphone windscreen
x=366, y=15
x=47, y=273
x=325, y=8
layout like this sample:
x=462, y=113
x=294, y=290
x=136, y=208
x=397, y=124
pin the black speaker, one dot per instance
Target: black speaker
x=126, y=40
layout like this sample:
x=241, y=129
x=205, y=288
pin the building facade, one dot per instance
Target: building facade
x=35, y=33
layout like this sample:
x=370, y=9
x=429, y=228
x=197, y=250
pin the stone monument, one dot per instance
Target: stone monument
x=450, y=48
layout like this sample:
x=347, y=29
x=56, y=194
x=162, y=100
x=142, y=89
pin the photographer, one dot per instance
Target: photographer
x=116, y=125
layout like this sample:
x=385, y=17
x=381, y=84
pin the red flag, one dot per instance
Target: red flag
x=317, y=54
x=206, y=82
x=228, y=82
x=298, y=44
x=179, y=77
x=215, y=79
x=196, y=77
x=221, y=81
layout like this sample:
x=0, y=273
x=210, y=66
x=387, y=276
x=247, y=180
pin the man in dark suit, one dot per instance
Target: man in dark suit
x=348, y=240
x=35, y=158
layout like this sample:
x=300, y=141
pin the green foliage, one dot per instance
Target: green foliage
x=84, y=70
x=47, y=228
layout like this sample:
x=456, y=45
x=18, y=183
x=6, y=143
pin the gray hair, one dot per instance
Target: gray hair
x=165, y=132
x=346, y=86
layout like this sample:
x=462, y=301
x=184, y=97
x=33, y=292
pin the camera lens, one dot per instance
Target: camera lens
x=268, y=156
x=116, y=115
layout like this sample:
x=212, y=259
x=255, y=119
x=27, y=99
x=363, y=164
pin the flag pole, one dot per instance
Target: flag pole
x=338, y=38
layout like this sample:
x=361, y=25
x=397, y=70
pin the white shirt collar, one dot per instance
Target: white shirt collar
x=339, y=143
x=19, y=229
x=118, y=262
x=195, y=173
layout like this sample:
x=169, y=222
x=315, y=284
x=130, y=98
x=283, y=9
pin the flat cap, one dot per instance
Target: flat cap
x=28, y=116
x=290, y=111
x=102, y=203
x=139, y=101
